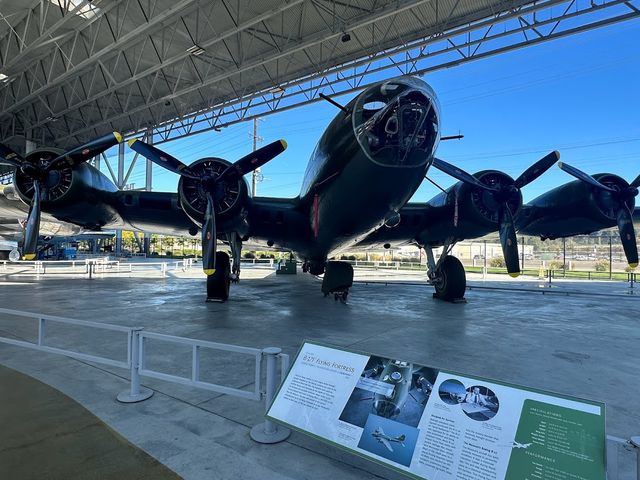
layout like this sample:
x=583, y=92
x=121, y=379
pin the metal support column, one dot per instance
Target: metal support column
x=148, y=185
x=484, y=261
x=120, y=185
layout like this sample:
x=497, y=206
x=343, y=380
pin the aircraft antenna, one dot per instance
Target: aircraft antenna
x=334, y=103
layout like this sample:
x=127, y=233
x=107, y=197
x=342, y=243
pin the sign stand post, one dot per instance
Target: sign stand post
x=268, y=431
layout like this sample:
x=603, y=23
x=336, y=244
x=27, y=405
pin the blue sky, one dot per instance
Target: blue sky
x=578, y=95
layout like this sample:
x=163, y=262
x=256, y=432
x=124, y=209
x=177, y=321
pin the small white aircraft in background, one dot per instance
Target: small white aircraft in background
x=386, y=440
x=517, y=445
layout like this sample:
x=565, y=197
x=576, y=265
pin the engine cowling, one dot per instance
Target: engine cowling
x=230, y=198
x=573, y=208
x=465, y=211
x=59, y=182
x=73, y=194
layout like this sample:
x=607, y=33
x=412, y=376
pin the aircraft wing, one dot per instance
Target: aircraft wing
x=279, y=221
x=13, y=212
x=420, y=224
x=386, y=443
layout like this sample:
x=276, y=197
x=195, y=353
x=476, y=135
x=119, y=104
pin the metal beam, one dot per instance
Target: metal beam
x=133, y=35
x=303, y=91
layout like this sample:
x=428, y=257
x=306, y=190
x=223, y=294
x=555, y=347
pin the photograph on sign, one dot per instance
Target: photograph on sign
x=431, y=423
x=391, y=389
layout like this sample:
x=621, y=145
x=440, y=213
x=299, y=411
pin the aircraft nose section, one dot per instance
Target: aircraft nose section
x=399, y=129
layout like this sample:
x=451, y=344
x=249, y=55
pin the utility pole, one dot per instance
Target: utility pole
x=255, y=176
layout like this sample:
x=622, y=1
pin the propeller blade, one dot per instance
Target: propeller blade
x=628, y=236
x=161, y=158
x=460, y=174
x=580, y=175
x=209, y=238
x=32, y=228
x=509, y=242
x=636, y=182
x=10, y=157
x=86, y=152
x=537, y=169
x=254, y=160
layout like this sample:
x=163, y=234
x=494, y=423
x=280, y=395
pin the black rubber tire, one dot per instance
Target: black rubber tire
x=453, y=280
x=218, y=283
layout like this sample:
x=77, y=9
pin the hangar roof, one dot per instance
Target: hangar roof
x=71, y=70
x=74, y=69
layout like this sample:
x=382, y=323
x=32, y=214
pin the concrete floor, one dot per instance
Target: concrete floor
x=583, y=345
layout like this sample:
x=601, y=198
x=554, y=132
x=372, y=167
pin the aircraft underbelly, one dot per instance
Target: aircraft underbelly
x=358, y=201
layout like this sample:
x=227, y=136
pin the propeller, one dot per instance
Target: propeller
x=502, y=194
x=212, y=184
x=42, y=176
x=624, y=215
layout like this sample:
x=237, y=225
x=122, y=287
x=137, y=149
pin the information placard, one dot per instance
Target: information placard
x=431, y=423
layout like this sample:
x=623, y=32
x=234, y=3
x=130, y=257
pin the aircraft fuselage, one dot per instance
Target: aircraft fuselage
x=368, y=164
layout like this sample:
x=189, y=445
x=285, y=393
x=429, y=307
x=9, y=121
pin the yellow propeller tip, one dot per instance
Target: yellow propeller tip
x=557, y=154
x=132, y=141
x=209, y=271
x=29, y=256
x=284, y=144
x=633, y=265
x=514, y=274
x=118, y=136
x=560, y=164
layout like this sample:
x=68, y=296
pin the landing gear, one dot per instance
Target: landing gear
x=236, y=252
x=447, y=276
x=218, y=283
x=342, y=296
x=338, y=278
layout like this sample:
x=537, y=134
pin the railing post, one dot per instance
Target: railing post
x=267, y=431
x=135, y=393
x=41, y=331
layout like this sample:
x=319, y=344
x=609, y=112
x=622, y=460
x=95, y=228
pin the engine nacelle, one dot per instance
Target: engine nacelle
x=573, y=208
x=70, y=193
x=230, y=198
x=465, y=211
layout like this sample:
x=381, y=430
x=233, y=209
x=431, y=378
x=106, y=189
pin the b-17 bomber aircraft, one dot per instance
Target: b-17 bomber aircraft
x=386, y=440
x=368, y=163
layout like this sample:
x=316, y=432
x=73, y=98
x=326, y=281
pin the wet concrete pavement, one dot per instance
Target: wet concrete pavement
x=583, y=345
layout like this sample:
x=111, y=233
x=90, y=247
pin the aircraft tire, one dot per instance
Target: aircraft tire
x=218, y=283
x=452, y=281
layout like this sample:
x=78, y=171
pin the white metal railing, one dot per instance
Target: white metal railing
x=265, y=432
x=136, y=362
x=257, y=261
x=40, y=343
x=194, y=380
x=91, y=267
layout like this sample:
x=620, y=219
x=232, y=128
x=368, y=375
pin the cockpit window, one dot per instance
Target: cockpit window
x=397, y=123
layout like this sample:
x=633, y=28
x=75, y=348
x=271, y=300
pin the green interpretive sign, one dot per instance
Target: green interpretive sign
x=562, y=444
x=430, y=423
